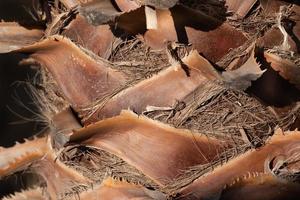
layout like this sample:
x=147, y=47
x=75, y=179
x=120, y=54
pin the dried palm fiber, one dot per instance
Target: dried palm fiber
x=261, y=25
x=163, y=89
x=222, y=111
x=14, y=36
x=111, y=189
x=176, y=109
x=138, y=61
x=278, y=157
x=47, y=50
x=286, y=31
x=226, y=113
x=209, y=36
x=157, y=150
x=97, y=164
x=254, y=24
x=261, y=186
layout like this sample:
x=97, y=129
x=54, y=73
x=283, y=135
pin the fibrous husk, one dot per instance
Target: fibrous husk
x=20, y=156
x=276, y=154
x=260, y=186
x=217, y=111
x=111, y=189
x=82, y=69
x=163, y=89
x=145, y=144
x=97, y=165
x=39, y=156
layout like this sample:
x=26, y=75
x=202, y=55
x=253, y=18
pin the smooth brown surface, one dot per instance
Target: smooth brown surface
x=159, y=151
x=98, y=39
x=81, y=79
x=252, y=161
x=14, y=36
x=211, y=37
x=261, y=187
x=274, y=38
x=161, y=90
x=117, y=190
x=287, y=69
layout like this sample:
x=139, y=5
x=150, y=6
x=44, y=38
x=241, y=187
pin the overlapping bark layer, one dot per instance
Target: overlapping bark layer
x=213, y=64
x=281, y=148
x=146, y=144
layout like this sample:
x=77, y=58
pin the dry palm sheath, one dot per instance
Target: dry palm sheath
x=161, y=100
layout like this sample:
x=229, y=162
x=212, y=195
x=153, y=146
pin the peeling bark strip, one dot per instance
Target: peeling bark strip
x=286, y=68
x=161, y=90
x=254, y=161
x=240, y=7
x=209, y=36
x=81, y=78
x=40, y=155
x=98, y=39
x=21, y=155
x=18, y=157
x=62, y=125
x=59, y=178
x=14, y=36
x=31, y=194
x=261, y=187
x=111, y=189
x=241, y=78
x=159, y=151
